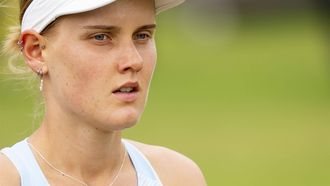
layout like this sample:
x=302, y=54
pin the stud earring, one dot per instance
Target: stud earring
x=20, y=44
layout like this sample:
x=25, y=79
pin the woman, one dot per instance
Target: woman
x=95, y=60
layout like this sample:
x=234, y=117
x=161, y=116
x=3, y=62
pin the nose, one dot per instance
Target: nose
x=131, y=59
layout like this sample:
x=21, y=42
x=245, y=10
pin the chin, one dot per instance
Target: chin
x=122, y=119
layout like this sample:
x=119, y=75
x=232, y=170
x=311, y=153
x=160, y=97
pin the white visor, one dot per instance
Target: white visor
x=41, y=13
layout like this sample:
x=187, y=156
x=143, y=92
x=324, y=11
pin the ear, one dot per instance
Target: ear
x=33, y=46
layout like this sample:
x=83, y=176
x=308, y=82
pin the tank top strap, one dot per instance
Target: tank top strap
x=146, y=174
x=31, y=175
x=23, y=159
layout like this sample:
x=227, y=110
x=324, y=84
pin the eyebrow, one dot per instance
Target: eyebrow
x=115, y=28
x=101, y=27
x=145, y=27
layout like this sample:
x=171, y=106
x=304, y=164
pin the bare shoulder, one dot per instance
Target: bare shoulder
x=173, y=168
x=8, y=173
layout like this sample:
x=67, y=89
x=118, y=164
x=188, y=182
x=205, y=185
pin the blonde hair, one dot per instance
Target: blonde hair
x=12, y=51
x=10, y=48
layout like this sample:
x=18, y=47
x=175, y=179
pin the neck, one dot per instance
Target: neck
x=78, y=148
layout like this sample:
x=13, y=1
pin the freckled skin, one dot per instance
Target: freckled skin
x=81, y=130
x=82, y=75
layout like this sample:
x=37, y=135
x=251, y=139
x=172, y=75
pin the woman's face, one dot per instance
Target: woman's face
x=100, y=64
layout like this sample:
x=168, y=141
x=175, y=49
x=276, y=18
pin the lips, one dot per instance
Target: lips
x=127, y=92
x=129, y=87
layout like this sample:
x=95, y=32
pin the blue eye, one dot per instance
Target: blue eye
x=101, y=37
x=141, y=36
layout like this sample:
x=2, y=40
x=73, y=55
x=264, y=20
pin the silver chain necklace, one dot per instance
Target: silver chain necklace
x=73, y=178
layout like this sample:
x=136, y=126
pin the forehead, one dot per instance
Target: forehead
x=119, y=12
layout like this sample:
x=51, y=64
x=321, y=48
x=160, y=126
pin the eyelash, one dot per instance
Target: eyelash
x=106, y=37
x=146, y=36
x=101, y=34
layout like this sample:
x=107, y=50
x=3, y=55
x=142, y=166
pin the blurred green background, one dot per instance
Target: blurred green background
x=241, y=87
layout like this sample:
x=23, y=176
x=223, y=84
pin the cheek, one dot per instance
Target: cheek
x=150, y=58
x=80, y=65
x=74, y=75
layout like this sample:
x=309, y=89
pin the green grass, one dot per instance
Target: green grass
x=251, y=111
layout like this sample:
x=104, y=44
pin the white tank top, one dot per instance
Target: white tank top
x=31, y=175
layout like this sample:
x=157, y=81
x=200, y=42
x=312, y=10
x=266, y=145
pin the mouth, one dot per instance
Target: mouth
x=130, y=87
x=127, y=92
